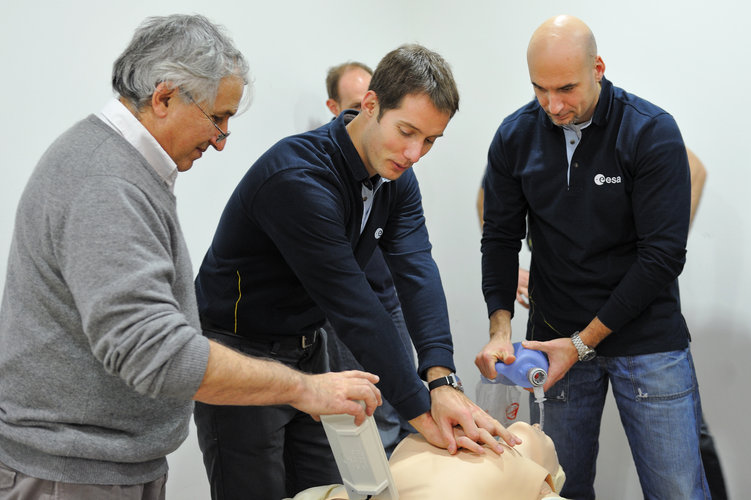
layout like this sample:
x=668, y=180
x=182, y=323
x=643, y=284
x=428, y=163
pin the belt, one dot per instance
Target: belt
x=303, y=341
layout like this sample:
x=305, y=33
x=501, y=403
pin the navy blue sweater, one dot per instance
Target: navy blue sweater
x=288, y=253
x=611, y=243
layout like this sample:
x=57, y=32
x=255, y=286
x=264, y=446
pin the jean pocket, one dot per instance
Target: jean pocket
x=662, y=376
x=559, y=393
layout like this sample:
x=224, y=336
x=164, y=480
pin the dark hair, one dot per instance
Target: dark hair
x=413, y=69
x=335, y=74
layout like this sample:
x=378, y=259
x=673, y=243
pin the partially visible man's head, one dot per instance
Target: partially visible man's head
x=346, y=85
x=565, y=69
x=413, y=70
x=183, y=78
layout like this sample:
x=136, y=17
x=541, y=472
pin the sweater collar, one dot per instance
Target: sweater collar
x=341, y=138
x=602, y=109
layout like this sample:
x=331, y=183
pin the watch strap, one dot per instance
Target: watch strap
x=584, y=352
x=450, y=379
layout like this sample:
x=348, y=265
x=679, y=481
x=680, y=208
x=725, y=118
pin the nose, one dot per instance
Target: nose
x=218, y=145
x=413, y=151
x=555, y=104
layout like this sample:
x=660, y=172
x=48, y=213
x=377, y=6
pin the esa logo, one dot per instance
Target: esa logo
x=601, y=179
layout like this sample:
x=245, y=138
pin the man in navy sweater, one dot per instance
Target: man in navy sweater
x=346, y=85
x=604, y=180
x=289, y=253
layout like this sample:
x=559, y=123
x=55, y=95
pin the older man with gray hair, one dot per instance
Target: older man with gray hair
x=100, y=346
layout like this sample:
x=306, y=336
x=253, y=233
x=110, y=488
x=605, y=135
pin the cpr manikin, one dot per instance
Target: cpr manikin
x=528, y=471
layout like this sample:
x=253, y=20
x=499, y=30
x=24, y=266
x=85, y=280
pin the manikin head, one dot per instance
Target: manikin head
x=183, y=78
x=565, y=69
x=346, y=85
x=411, y=99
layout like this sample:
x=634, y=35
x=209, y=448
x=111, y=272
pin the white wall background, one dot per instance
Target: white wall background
x=689, y=57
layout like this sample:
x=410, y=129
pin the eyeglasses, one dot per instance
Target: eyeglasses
x=222, y=134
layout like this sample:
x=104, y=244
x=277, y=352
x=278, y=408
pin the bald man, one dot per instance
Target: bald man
x=346, y=85
x=603, y=177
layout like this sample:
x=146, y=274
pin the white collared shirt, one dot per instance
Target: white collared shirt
x=122, y=121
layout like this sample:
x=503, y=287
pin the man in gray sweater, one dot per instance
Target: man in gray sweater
x=101, y=354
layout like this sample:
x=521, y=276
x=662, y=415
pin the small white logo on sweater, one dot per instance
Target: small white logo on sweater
x=378, y=233
x=601, y=179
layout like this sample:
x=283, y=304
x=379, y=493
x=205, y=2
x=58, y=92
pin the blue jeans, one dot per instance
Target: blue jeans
x=658, y=401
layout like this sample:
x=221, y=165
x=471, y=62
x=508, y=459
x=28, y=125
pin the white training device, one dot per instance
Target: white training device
x=360, y=457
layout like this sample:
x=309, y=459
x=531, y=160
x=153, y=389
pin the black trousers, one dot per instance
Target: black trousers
x=266, y=452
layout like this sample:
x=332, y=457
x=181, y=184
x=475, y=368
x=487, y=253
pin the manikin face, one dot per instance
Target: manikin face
x=352, y=88
x=391, y=145
x=187, y=133
x=536, y=445
x=566, y=83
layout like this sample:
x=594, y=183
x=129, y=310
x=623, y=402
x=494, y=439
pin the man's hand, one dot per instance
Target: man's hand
x=339, y=392
x=522, y=288
x=499, y=348
x=562, y=355
x=454, y=422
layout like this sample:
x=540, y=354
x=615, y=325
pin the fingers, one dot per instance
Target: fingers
x=489, y=356
x=522, y=298
x=371, y=377
x=468, y=444
x=447, y=432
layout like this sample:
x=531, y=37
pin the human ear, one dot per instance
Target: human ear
x=333, y=107
x=160, y=99
x=599, y=68
x=370, y=103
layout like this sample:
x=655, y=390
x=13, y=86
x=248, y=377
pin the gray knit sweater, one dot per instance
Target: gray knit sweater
x=100, y=349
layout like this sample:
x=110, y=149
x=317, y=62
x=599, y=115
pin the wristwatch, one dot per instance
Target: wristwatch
x=451, y=379
x=585, y=352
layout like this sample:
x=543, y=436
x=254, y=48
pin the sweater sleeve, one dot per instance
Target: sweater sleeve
x=504, y=228
x=407, y=250
x=117, y=252
x=661, y=199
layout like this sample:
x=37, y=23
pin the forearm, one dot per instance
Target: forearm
x=233, y=378
x=594, y=333
x=500, y=325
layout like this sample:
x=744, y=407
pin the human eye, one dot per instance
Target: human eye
x=405, y=132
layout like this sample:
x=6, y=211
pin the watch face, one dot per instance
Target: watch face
x=457, y=384
x=588, y=355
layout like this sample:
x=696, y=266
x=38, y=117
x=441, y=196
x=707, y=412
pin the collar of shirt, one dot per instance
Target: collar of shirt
x=602, y=110
x=122, y=121
x=369, y=189
x=341, y=137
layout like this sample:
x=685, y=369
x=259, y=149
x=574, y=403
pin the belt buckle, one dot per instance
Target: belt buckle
x=304, y=341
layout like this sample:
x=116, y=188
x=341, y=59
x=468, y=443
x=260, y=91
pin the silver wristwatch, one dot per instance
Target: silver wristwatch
x=585, y=352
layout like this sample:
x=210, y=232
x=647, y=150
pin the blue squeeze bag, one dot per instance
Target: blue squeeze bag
x=530, y=369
